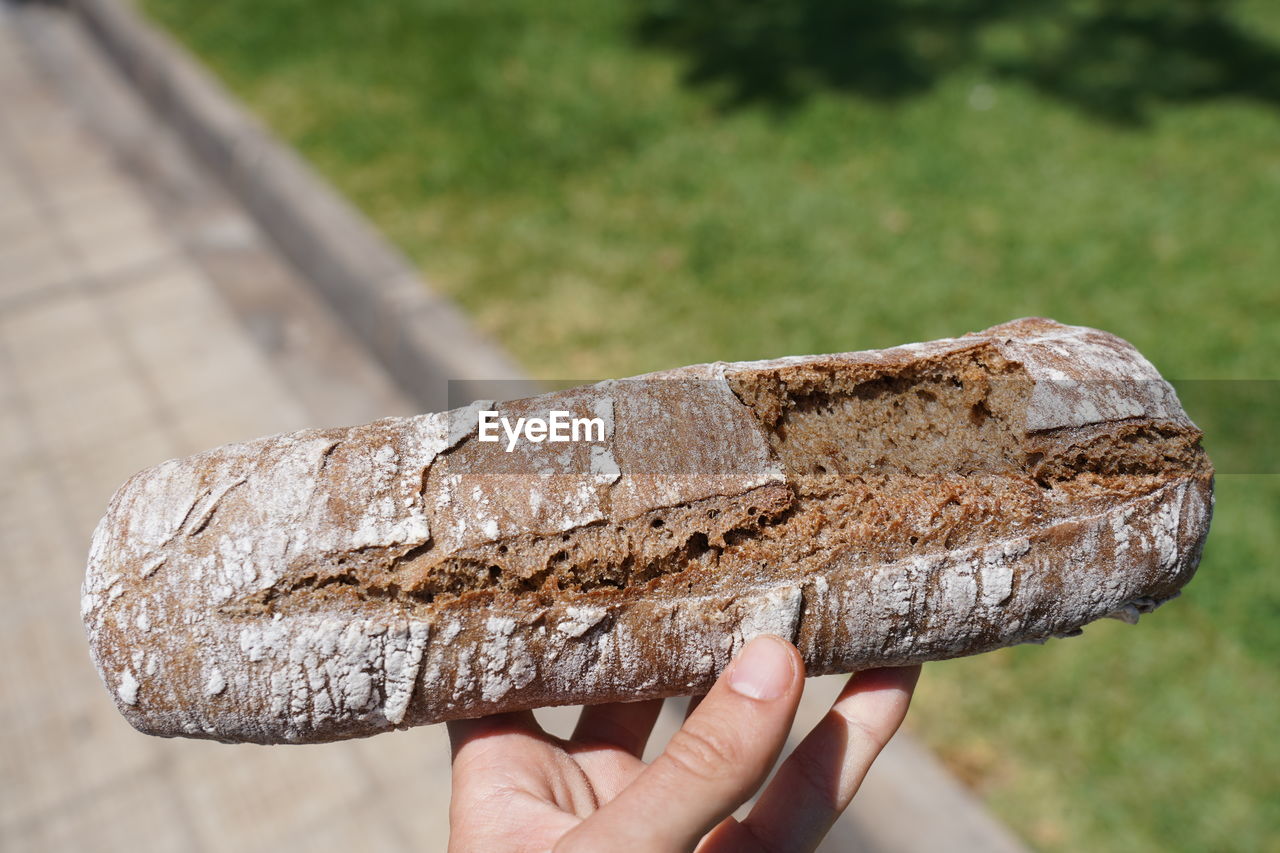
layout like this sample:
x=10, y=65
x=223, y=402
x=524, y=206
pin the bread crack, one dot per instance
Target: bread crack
x=879, y=467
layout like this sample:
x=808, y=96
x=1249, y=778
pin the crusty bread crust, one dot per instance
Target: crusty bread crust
x=876, y=508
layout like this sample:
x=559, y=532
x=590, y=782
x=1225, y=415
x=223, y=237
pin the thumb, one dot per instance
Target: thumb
x=712, y=765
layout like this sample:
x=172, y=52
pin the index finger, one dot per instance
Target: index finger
x=713, y=764
x=465, y=732
x=817, y=781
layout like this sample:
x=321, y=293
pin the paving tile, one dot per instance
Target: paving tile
x=72, y=426
x=37, y=553
x=53, y=710
x=29, y=503
x=75, y=372
x=20, y=220
x=412, y=773
x=13, y=449
x=240, y=418
x=23, y=94
x=108, y=251
x=34, y=265
x=53, y=330
x=245, y=797
x=103, y=204
x=403, y=758
x=22, y=229
x=23, y=236
x=53, y=147
x=105, y=464
x=76, y=415
x=374, y=833
x=18, y=217
x=12, y=190
x=169, y=291
x=108, y=180
x=199, y=362
x=242, y=384
x=136, y=812
x=181, y=330
x=90, y=477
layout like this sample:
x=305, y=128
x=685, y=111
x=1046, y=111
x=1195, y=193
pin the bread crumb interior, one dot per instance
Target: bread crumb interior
x=879, y=466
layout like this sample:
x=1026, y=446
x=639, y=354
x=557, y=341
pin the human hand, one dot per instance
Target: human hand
x=516, y=788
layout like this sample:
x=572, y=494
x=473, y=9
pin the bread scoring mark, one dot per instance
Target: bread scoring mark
x=200, y=520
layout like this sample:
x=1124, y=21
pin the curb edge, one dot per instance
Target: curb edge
x=421, y=337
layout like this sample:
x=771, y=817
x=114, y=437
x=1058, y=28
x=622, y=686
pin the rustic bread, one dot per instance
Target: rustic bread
x=875, y=508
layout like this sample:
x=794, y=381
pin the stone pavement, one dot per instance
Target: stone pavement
x=117, y=351
x=143, y=315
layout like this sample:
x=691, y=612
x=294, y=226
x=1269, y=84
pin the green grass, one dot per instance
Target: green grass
x=557, y=175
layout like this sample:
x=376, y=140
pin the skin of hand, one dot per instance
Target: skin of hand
x=516, y=788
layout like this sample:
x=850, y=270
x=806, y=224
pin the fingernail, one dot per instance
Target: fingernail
x=762, y=670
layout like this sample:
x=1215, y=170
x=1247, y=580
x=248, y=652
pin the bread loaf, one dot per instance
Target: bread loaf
x=875, y=508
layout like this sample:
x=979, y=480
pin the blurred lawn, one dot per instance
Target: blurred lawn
x=552, y=169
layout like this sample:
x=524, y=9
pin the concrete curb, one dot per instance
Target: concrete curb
x=421, y=337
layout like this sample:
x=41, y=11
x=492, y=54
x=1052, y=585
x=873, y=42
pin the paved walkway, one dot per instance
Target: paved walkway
x=143, y=316
x=116, y=352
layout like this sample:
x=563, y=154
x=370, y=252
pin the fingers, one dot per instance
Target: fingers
x=816, y=782
x=694, y=702
x=464, y=732
x=625, y=725
x=501, y=764
x=712, y=765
